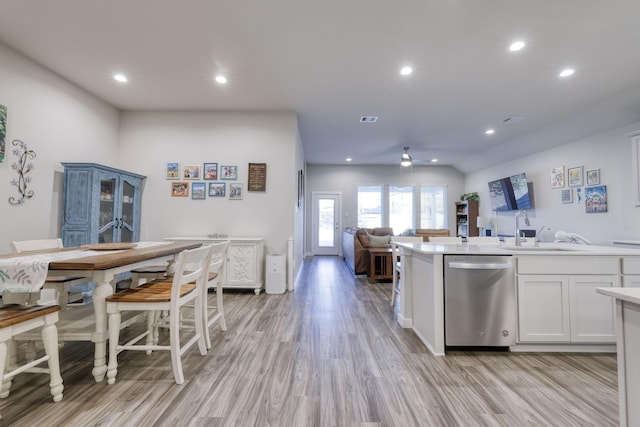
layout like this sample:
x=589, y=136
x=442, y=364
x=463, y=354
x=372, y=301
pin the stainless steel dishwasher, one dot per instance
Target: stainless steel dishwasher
x=479, y=301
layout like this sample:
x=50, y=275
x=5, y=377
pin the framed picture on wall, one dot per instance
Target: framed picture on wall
x=595, y=199
x=557, y=177
x=229, y=173
x=191, y=172
x=593, y=177
x=198, y=190
x=173, y=171
x=574, y=177
x=180, y=189
x=217, y=189
x=210, y=171
x=235, y=191
x=567, y=195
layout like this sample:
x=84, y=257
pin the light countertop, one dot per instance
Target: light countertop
x=625, y=294
x=555, y=249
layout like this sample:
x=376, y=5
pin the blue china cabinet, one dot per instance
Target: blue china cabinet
x=101, y=204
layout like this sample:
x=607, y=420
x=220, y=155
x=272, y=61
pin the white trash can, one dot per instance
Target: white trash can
x=276, y=274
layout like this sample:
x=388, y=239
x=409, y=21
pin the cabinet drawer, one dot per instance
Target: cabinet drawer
x=567, y=265
x=631, y=265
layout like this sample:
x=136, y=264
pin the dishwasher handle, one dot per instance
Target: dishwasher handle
x=480, y=265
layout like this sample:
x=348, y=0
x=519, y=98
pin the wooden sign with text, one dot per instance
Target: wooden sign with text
x=257, y=177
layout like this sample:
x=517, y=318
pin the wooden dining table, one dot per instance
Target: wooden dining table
x=103, y=268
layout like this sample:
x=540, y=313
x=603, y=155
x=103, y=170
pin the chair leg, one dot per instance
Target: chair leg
x=205, y=318
x=394, y=287
x=174, y=342
x=5, y=384
x=114, y=336
x=219, y=303
x=201, y=327
x=50, y=342
x=152, y=330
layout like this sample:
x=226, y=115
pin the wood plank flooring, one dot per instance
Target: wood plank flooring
x=329, y=354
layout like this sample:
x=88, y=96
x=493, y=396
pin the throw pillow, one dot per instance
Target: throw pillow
x=378, y=240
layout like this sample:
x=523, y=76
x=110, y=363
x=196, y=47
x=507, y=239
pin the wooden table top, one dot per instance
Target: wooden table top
x=113, y=259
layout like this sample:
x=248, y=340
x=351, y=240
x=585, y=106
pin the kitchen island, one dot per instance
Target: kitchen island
x=558, y=308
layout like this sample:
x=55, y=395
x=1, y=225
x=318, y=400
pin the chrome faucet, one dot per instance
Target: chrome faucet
x=526, y=222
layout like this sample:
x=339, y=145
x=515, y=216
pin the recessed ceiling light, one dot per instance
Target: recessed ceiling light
x=120, y=78
x=434, y=160
x=348, y=159
x=221, y=79
x=368, y=119
x=490, y=131
x=405, y=71
x=516, y=46
x=566, y=72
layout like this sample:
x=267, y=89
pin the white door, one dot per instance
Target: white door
x=326, y=223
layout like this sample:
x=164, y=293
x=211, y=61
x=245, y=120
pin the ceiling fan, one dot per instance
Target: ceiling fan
x=406, y=160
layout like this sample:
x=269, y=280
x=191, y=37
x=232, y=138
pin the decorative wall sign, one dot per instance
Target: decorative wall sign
x=3, y=130
x=257, y=180
x=22, y=166
x=596, y=199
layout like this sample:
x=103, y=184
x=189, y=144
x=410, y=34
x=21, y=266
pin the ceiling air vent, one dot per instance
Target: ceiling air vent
x=368, y=119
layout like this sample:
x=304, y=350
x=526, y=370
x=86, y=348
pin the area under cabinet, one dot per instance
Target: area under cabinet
x=563, y=307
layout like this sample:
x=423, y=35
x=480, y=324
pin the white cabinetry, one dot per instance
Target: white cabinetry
x=245, y=261
x=564, y=306
x=630, y=272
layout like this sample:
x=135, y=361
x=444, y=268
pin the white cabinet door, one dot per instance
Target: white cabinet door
x=592, y=314
x=543, y=308
x=241, y=265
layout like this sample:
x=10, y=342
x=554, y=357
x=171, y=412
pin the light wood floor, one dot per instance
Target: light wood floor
x=329, y=354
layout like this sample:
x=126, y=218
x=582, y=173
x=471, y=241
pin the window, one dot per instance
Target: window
x=433, y=203
x=401, y=211
x=370, y=206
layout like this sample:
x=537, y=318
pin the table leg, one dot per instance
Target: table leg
x=102, y=291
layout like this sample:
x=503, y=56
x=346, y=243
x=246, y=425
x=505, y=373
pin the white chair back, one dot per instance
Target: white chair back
x=35, y=245
x=483, y=240
x=445, y=239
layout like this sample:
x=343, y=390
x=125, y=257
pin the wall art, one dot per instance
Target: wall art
x=3, y=130
x=210, y=171
x=191, y=172
x=180, y=189
x=173, y=171
x=235, y=191
x=257, y=180
x=567, y=195
x=557, y=177
x=198, y=190
x=574, y=177
x=593, y=177
x=229, y=172
x=595, y=199
x=217, y=189
x=22, y=166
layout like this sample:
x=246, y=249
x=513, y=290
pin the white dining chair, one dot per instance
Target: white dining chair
x=16, y=320
x=483, y=240
x=55, y=289
x=445, y=239
x=215, y=313
x=397, y=262
x=169, y=295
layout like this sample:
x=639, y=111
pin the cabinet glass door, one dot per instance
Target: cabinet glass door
x=106, y=222
x=125, y=225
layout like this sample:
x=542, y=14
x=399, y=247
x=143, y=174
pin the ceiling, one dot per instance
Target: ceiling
x=333, y=61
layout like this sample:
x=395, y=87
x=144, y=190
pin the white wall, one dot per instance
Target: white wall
x=151, y=139
x=61, y=123
x=609, y=151
x=345, y=179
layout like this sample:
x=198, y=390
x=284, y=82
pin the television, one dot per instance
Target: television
x=510, y=193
